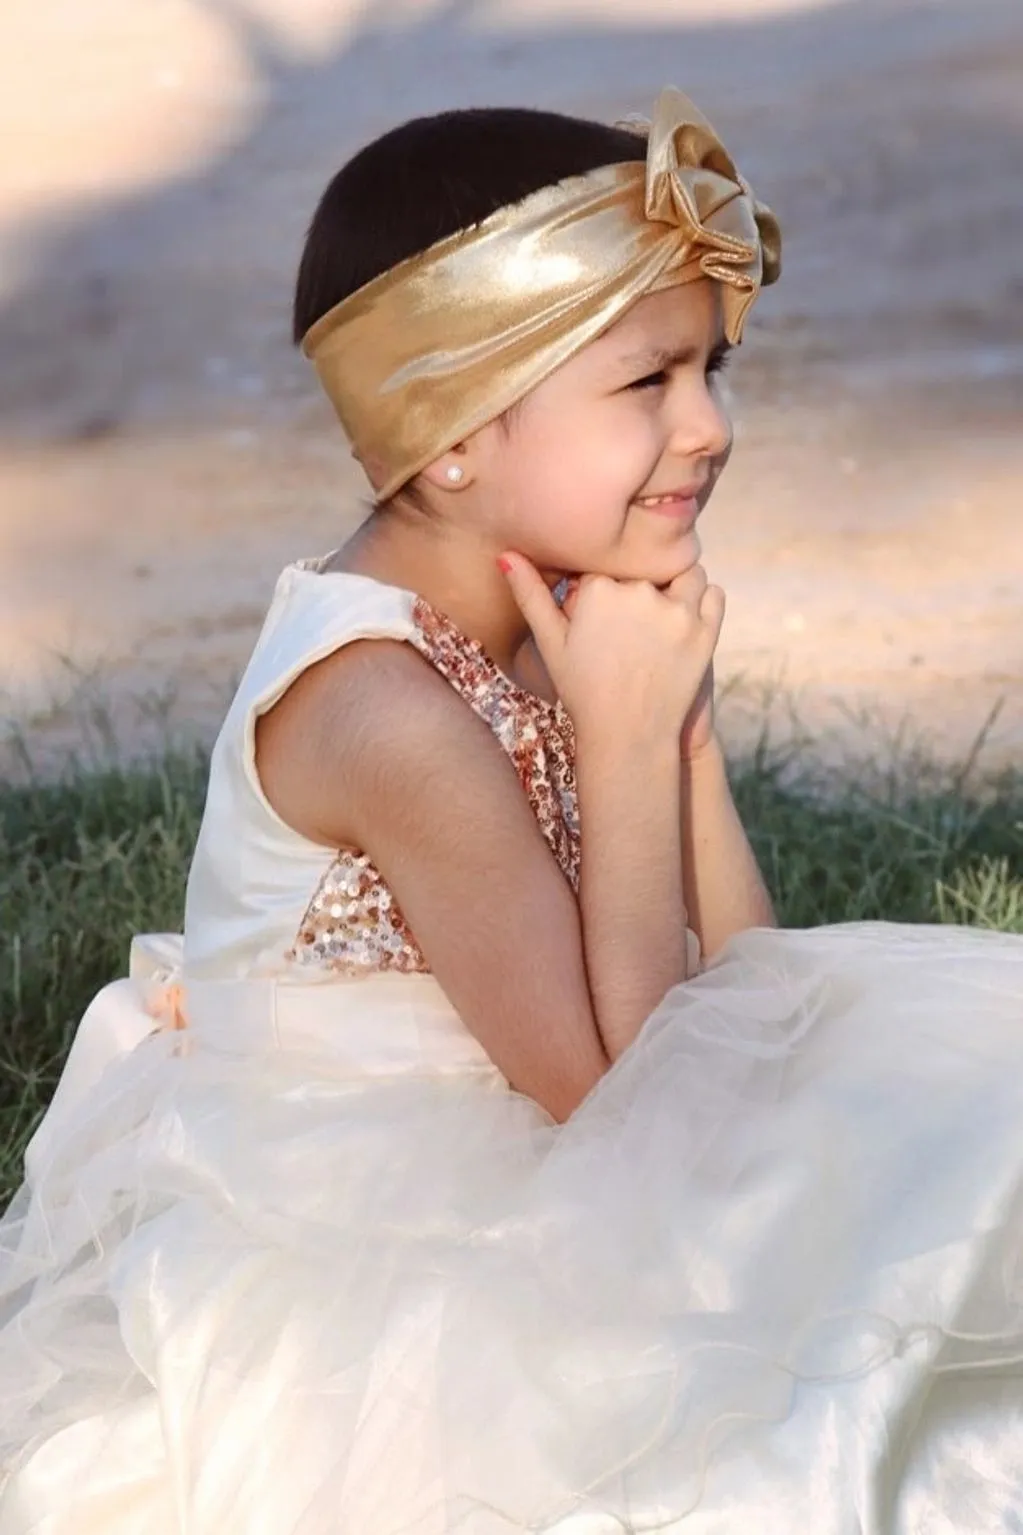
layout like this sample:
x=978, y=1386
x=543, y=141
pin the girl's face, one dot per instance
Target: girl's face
x=606, y=466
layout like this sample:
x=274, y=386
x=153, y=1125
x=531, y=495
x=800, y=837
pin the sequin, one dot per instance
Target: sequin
x=353, y=924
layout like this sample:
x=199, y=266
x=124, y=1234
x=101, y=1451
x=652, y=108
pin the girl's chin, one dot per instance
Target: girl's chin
x=662, y=570
x=659, y=566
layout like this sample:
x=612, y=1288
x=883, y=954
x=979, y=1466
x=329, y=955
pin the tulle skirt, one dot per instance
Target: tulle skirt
x=310, y=1268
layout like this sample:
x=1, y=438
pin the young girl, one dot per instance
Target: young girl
x=494, y=1165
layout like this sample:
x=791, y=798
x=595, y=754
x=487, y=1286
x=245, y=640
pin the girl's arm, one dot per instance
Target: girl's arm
x=725, y=891
x=631, y=894
x=372, y=749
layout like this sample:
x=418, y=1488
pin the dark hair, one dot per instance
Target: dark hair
x=430, y=178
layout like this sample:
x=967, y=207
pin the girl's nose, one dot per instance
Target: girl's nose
x=701, y=426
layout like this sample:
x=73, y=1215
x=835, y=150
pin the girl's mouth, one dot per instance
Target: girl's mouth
x=680, y=504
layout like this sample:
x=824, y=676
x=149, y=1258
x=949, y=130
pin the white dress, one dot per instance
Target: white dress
x=308, y=1266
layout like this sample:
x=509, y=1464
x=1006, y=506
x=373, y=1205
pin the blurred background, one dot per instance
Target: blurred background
x=163, y=450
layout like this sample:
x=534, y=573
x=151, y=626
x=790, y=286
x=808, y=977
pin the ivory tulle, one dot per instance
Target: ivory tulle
x=310, y=1268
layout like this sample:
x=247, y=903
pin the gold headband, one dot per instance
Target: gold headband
x=441, y=344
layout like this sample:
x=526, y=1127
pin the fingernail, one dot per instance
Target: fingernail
x=504, y=563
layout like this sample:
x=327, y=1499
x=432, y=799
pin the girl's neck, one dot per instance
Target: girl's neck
x=457, y=577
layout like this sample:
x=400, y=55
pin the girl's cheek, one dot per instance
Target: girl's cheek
x=636, y=436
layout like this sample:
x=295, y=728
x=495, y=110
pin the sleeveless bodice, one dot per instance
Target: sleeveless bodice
x=264, y=900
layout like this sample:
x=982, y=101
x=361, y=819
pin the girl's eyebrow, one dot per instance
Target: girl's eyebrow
x=653, y=359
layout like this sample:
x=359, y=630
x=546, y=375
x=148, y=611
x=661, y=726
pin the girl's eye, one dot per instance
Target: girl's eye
x=716, y=363
x=651, y=381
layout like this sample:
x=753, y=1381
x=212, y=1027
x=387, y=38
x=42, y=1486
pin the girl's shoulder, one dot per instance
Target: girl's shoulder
x=359, y=715
x=321, y=611
x=317, y=609
x=390, y=693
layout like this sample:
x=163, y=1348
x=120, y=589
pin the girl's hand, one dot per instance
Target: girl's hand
x=630, y=660
x=698, y=730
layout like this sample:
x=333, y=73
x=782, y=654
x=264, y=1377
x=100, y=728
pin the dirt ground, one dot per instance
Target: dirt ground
x=163, y=451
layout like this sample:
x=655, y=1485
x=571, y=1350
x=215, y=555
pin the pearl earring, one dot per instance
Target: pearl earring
x=455, y=474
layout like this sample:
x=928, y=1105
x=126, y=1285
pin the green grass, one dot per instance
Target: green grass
x=89, y=860
x=84, y=863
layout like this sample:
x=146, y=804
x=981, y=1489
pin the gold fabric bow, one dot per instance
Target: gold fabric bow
x=443, y=343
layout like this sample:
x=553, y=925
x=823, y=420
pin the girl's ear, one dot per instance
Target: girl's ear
x=452, y=471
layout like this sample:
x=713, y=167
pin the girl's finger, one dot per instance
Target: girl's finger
x=536, y=604
x=712, y=609
x=689, y=586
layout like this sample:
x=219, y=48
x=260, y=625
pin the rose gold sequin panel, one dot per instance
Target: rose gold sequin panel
x=353, y=925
